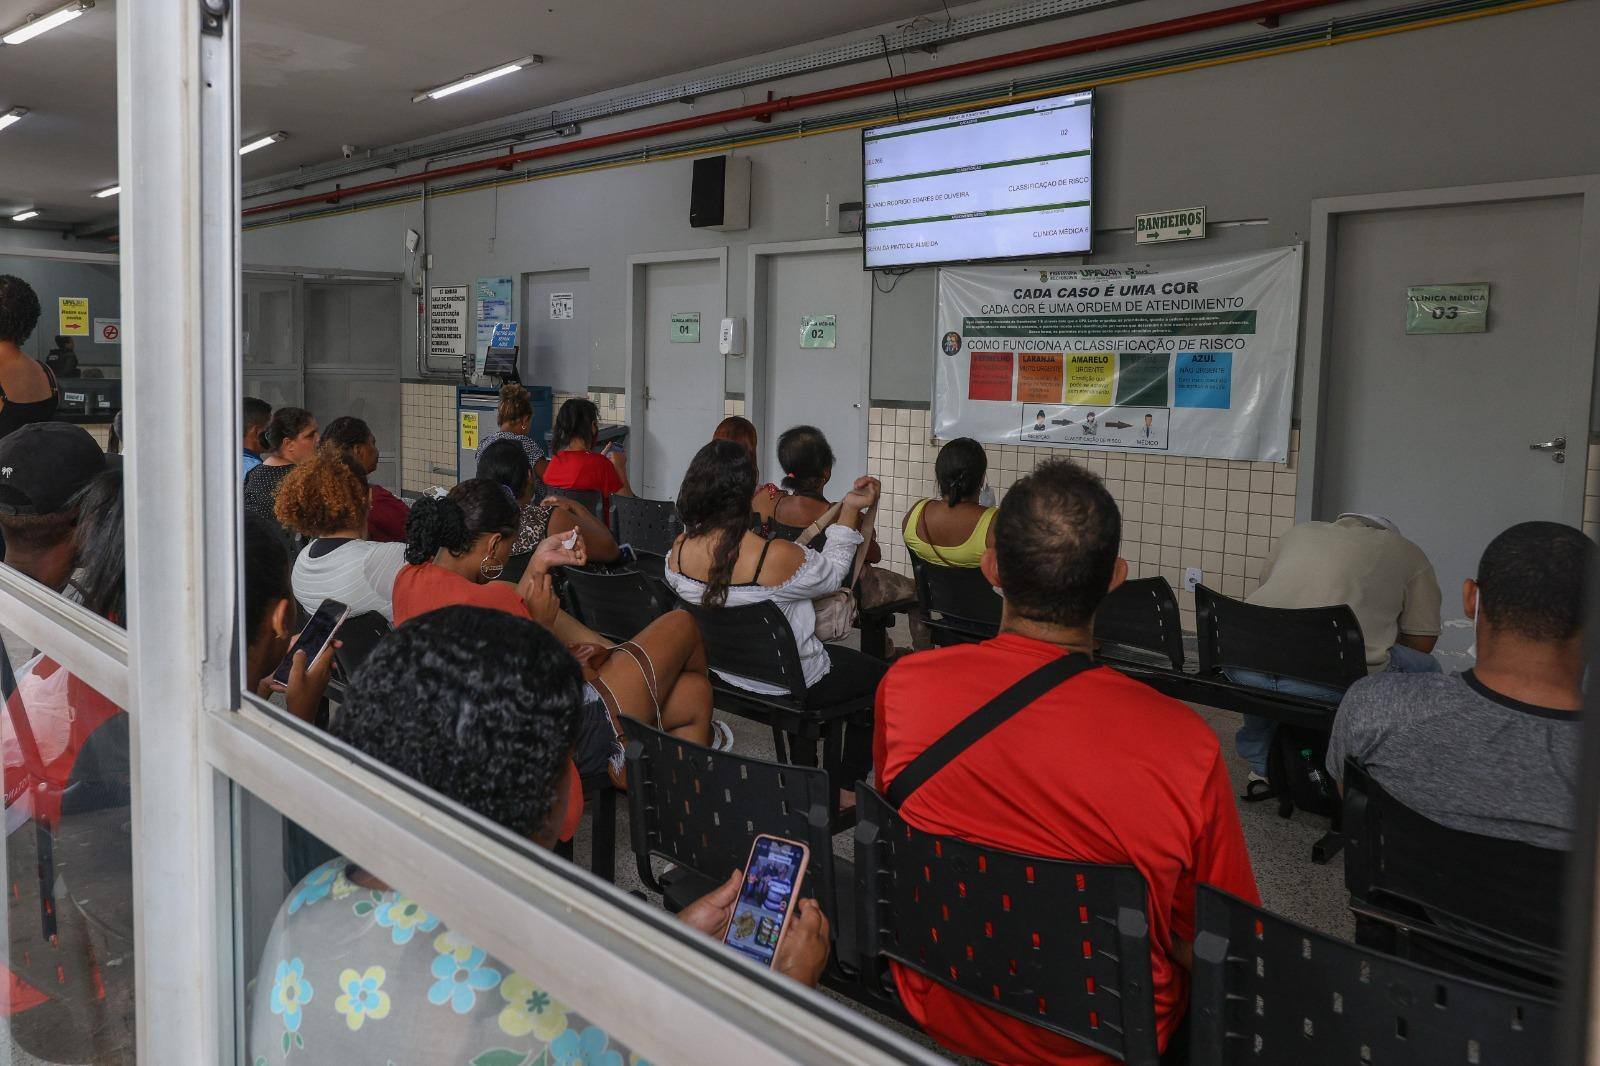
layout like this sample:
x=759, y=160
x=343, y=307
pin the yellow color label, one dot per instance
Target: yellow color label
x=1090, y=376
x=469, y=430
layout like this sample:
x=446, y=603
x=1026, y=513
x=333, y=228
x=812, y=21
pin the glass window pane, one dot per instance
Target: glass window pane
x=69, y=870
x=342, y=965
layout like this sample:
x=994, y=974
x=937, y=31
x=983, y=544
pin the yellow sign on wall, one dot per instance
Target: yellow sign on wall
x=469, y=430
x=74, y=316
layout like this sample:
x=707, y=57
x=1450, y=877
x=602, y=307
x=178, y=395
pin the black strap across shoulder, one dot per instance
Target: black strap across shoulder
x=983, y=721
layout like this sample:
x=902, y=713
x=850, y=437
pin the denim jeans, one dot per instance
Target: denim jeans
x=1254, y=738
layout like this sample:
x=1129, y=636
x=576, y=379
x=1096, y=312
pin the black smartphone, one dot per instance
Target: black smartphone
x=312, y=639
x=767, y=897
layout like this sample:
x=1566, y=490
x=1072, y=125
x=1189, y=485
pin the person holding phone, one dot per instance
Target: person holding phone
x=271, y=625
x=458, y=546
x=486, y=709
x=574, y=464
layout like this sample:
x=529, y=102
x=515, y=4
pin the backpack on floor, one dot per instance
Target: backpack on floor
x=1298, y=774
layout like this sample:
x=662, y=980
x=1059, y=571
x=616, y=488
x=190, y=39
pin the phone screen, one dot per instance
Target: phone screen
x=316, y=633
x=770, y=882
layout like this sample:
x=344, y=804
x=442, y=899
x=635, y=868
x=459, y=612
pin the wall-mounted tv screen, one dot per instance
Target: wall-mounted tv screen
x=1005, y=182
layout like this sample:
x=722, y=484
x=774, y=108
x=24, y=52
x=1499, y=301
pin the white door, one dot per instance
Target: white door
x=683, y=372
x=820, y=386
x=1434, y=431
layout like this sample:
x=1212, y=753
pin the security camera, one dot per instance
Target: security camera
x=349, y=150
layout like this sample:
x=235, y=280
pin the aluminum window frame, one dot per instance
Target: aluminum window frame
x=194, y=737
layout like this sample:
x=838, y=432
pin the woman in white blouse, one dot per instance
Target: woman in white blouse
x=719, y=561
x=326, y=499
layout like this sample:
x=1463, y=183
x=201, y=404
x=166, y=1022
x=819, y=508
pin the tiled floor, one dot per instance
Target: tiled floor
x=1280, y=849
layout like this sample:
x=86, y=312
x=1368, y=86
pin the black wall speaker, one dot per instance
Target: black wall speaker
x=720, y=195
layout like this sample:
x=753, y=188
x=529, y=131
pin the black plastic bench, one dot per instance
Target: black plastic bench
x=958, y=604
x=1268, y=990
x=1139, y=626
x=1481, y=906
x=616, y=604
x=1061, y=945
x=701, y=809
x=645, y=525
x=755, y=641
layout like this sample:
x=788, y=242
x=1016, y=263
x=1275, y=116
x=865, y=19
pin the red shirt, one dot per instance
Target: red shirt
x=589, y=471
x=1103, y=769
x=386, y=516
x=420, y=589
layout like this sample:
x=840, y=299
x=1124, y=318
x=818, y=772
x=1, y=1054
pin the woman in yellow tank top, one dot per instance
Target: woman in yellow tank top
x=955, y=529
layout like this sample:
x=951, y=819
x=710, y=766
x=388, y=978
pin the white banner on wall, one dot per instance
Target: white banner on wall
x=1189, y=356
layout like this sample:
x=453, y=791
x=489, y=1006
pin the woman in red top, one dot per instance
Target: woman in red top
x=458, y=546
x=576, y=465
x=386, y=512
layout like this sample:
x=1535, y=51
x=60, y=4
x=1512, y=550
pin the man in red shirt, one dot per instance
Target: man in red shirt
x=1100, y=769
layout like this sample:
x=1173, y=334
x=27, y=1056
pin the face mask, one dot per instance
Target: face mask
x=986, y=495
x=1477, y=609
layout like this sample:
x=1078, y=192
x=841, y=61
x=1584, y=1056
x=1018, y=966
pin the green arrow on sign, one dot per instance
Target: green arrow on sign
x=1185, y=232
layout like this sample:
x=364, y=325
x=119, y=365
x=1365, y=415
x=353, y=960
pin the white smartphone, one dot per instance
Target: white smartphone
x=767, y=897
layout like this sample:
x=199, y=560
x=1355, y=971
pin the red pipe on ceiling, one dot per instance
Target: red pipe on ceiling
x=1262, y=9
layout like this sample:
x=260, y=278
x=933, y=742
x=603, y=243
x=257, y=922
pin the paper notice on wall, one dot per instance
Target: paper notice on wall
x=1189, y=356
x=74, y=314
x=493, y=299
x=561, y=306
x=447, y=321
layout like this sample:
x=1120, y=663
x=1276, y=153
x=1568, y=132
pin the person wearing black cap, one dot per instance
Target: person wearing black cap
x=43, y=466
x=28, y=390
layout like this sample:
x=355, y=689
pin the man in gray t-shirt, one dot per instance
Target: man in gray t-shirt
x=1493, y=750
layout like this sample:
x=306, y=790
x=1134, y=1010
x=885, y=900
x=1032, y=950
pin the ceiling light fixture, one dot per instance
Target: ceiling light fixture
x=103, y=193
x=474, y=80
x=38, y=24
x=23, y=216
x=13, y=116
x=261, y=142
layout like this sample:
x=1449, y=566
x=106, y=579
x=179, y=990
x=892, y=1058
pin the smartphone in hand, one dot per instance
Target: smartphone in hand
x=767, y=896
x=312, y=639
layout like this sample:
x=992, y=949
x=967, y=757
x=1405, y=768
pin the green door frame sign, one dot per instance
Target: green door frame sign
x=819, y=331
x=685, y=327
x=1460, y=308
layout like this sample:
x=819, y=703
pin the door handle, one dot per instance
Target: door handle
x=1549, y=445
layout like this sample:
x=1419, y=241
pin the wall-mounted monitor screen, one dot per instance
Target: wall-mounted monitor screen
x=1005, y=182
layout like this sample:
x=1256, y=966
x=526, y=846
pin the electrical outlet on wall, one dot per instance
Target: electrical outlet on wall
x=1191, y=578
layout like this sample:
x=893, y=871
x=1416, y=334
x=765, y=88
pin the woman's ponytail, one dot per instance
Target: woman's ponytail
x=435, y=523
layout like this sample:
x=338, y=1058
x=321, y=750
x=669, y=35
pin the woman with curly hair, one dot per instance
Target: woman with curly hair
x=325, y=499
x=458, y=545
x=484, y=709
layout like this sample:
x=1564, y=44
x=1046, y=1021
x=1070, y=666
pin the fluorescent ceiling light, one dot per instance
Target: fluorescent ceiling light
x=12, y=116
x=474, y=80
x=24, y=216
x=103, y=193
x=45, y=23
x=262, y=142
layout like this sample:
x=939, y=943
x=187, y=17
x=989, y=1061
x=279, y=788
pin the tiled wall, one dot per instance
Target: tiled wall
x=429, y=432
x=1221, y=516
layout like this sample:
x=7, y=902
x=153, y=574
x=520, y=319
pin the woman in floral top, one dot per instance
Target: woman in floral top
x=482, y=707
x=357, y=973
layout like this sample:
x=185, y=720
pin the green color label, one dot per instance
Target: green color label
x=1460, y=308
x=818, y=331
x=685, y=327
